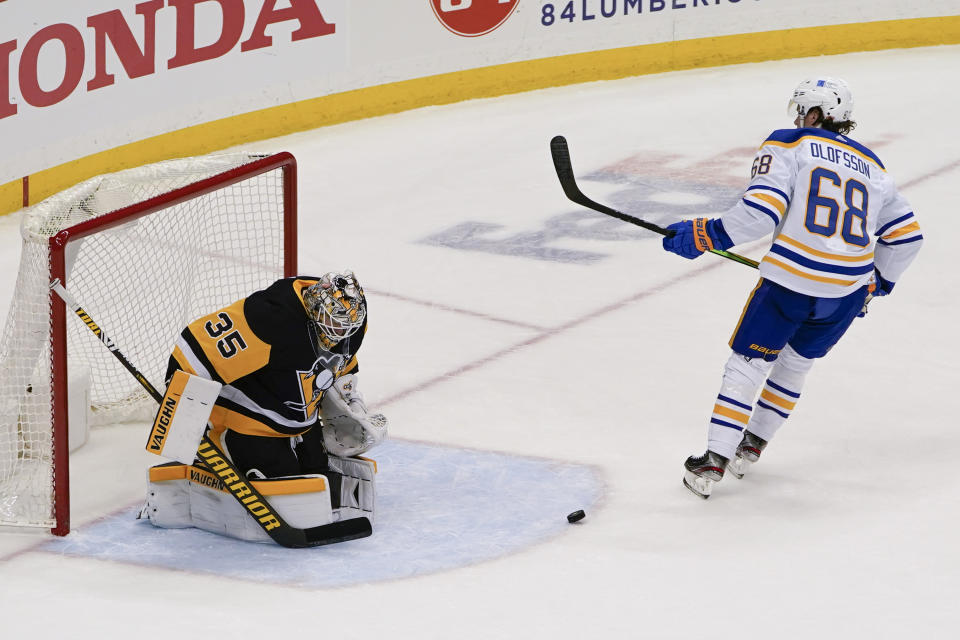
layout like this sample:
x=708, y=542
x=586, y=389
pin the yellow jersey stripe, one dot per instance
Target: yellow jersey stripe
x=350, y=366
x=902, y=231
x=182, y=360
x=771, y=200
x=222, y=418
x=777, y=143
x=823, y=254
x=797, y=272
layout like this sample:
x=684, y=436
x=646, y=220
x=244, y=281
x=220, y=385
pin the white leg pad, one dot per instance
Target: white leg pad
x=357, y=487
x=168, y=503
x=186, y=496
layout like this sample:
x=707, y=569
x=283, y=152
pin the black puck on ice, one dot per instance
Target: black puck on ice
x=576, y=516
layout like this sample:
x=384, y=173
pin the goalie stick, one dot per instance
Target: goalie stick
x=220, y=465
x=561, y=162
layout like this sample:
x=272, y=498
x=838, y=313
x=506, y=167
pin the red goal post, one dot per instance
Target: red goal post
x=145, y=251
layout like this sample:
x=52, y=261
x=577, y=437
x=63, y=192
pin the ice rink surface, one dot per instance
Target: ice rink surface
x=535, y=357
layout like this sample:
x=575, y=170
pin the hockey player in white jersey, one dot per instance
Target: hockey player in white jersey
x=842, y=233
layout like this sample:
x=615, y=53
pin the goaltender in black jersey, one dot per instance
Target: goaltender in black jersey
x=277, y=352
x=274, y=363
x=289, y=406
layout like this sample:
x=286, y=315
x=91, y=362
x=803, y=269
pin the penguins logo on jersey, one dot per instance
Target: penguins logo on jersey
x=315, y=381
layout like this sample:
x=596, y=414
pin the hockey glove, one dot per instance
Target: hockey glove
x=883, y=286
x=693, y=237
x=879, y=288
x=348, y=430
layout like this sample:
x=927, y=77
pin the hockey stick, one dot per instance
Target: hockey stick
x=220, y=465
x=561, y=162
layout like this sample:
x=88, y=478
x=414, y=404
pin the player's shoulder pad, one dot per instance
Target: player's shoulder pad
x=269, y=310
x=791, y=137
x=781, y=140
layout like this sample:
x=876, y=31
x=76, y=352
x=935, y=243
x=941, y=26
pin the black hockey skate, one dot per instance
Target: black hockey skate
x=703, y=471
x=748, y=452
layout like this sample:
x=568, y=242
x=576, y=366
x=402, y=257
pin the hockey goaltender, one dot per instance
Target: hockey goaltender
x=264, y=392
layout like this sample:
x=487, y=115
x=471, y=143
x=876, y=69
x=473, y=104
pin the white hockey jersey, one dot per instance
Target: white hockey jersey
x=834, y=212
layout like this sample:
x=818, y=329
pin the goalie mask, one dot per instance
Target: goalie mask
x=336, y=305
x=832, y=95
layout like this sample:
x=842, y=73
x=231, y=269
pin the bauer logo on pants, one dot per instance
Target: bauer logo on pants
x=473, y=17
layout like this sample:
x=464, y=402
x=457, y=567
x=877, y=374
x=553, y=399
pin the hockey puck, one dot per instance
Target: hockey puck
x=576, y=516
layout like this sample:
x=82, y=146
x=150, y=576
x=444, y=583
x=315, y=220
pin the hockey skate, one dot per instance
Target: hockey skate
x=748, y=452
x=703, y=471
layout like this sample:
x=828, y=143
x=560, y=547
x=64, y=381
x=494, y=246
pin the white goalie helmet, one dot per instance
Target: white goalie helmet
x=336, y=305
x=832, y=95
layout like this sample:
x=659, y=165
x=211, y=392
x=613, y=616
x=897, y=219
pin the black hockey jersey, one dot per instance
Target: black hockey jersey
x=267, y=354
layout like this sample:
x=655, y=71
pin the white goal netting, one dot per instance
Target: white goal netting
x=142, y=281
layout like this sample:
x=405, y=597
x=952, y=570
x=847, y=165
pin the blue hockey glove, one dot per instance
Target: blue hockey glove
x=881, y=287
x=693, y=237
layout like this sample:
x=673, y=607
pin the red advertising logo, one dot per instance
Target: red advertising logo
x=472, y=18
x=81, y=48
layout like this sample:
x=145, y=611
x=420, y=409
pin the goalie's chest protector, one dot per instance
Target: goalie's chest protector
x=266, y=353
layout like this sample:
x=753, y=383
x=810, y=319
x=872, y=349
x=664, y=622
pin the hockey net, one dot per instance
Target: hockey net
x=144, y=251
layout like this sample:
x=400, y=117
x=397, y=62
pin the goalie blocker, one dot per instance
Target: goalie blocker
x=183, y=495
x=182, y=417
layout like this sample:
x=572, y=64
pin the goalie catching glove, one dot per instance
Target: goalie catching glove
x=348, y=430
